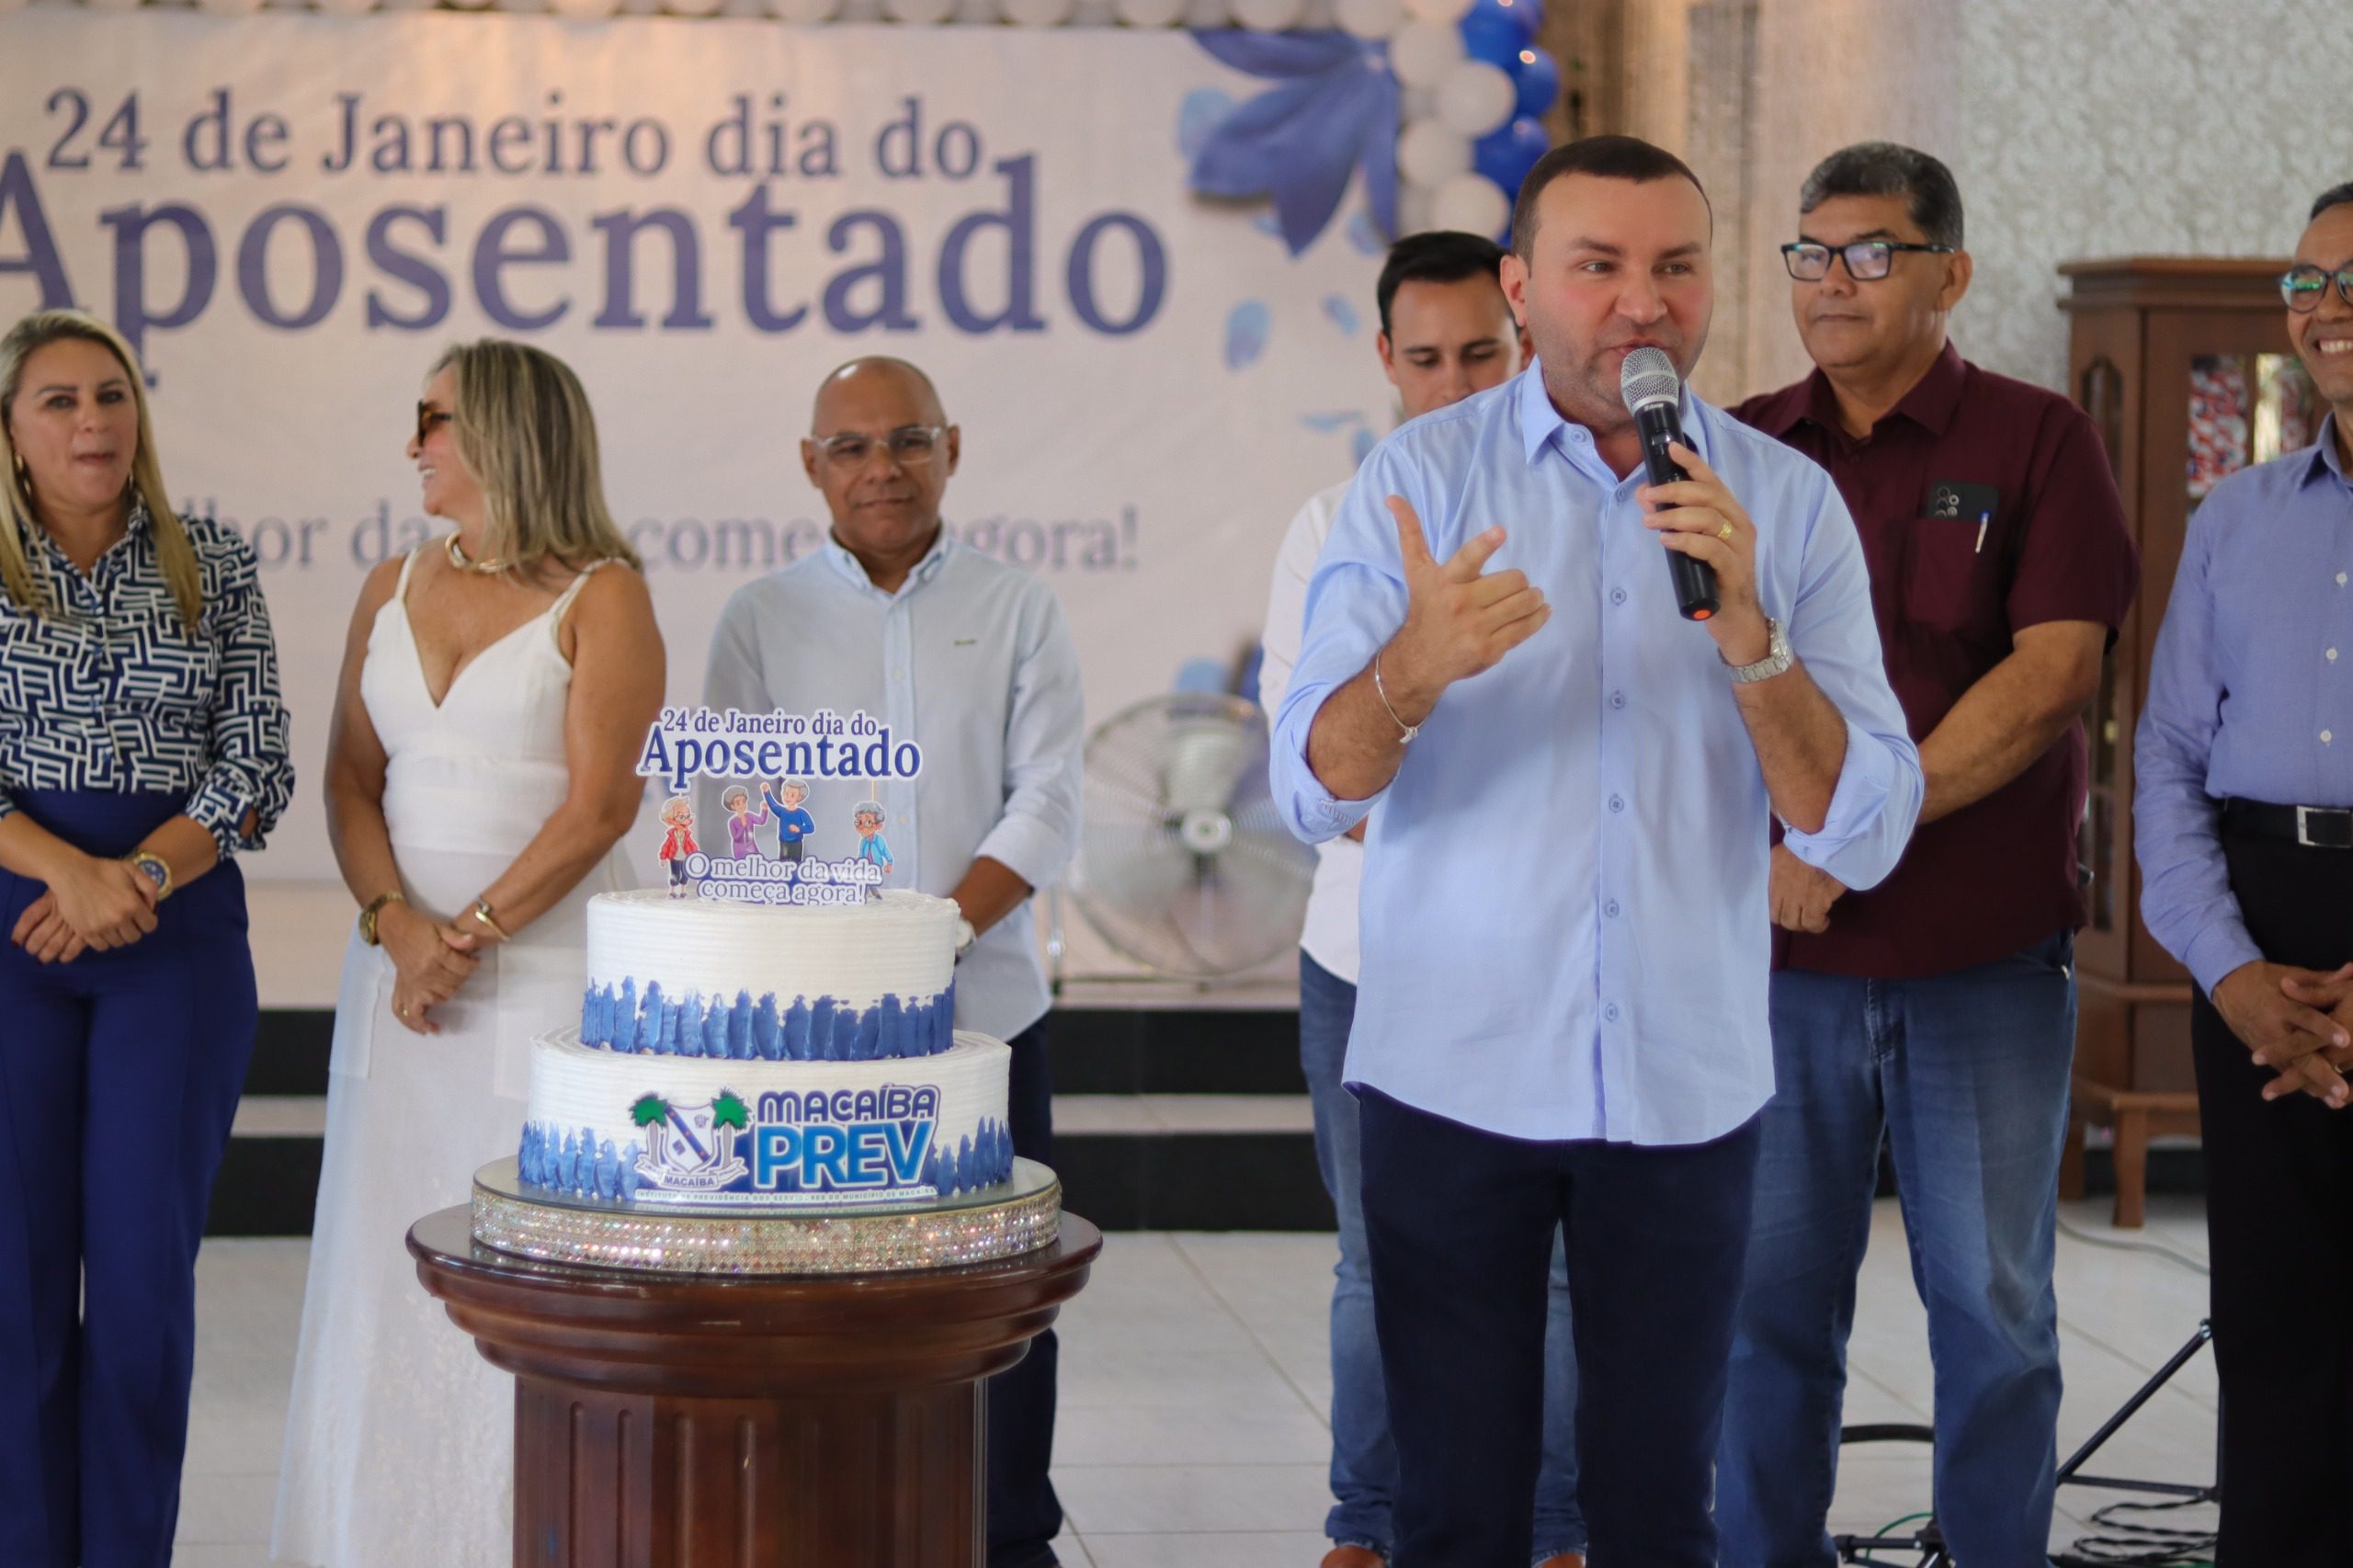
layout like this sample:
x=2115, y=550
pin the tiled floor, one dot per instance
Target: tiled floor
x=1194, y=1385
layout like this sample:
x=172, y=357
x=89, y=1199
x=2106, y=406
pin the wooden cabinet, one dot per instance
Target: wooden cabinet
x=2185, y=366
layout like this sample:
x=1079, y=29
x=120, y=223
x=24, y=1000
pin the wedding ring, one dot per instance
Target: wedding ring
x=1724, y=530
x=402, y=1009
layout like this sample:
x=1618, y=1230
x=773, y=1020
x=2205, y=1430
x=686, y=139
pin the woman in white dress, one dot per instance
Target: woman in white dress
x=495, y=689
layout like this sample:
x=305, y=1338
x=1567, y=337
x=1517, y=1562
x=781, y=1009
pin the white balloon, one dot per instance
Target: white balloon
x=228, y=7
x=860, y=11
x=1093, y=14
x=1370, y=18
x=1037, y=13
x=1429, y=154
x=1473, y=203
x=1423, y=52
x=678, y=8
x=1266, y=16
x=1446, y=11
x=1413, y=210
x=1148, y=13
x=803, y=10
x=113, y=4
x=978, y=13
x=1205, y=14
x=1317, y=17
x=347, y=7
x=920, y=13
x=586, y=10
x=408, y=4
x=1475, y=97
x=1416, y=102
x=513, y=7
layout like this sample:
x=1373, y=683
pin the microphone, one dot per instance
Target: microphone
x=1653, y=396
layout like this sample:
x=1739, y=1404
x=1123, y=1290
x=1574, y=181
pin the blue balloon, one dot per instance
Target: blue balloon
x=1492, y=37
x=1525, y=16
x=1505, y=156
x=1537, y=75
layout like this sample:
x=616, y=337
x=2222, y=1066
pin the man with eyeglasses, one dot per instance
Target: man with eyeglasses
x=2244, y=781
x=972, y=658
x=1936, y=1012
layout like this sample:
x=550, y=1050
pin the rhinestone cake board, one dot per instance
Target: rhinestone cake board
x=1016, y=1216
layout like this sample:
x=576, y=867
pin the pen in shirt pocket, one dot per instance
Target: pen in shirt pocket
x=1982, y=519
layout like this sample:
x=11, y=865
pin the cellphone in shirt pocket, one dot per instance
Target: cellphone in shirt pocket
x=1952, y=563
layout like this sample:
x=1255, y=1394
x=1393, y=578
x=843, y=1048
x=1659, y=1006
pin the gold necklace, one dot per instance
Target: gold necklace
x=481, y=568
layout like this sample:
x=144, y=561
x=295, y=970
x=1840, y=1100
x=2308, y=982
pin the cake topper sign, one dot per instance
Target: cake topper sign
x=773, y=755
x=686, y=743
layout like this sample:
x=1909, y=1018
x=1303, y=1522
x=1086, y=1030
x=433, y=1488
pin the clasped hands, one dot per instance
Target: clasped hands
x=431, y=960
x=2298, y=1022
x=1461, y=619
x=93, y=903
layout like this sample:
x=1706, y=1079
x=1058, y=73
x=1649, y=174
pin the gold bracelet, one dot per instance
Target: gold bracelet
x=373, y=912
x=482, y=913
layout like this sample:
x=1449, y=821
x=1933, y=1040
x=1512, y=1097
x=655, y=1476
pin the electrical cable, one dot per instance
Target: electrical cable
x=2166, y=1252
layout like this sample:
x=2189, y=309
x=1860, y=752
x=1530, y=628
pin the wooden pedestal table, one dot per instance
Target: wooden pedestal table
x=673, y=1420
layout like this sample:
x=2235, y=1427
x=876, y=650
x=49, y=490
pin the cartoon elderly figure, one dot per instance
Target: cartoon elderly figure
x=678, y=841
x=793, y=824
x=741, y=822
x=868, y=818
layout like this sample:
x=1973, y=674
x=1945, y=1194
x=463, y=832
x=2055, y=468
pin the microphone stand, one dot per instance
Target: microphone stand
x=1928, y=1540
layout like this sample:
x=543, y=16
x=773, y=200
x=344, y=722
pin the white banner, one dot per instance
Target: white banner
x=292, y=215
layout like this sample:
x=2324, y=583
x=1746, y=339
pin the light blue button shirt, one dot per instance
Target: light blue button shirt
x=1564, y=923
x=2250, y=691
x=971, y=659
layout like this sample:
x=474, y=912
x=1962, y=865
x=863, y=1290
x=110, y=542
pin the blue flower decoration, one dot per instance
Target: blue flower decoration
x=1342, y=313
x=1334, y=112
x=1245, y=333
x=1198, y=116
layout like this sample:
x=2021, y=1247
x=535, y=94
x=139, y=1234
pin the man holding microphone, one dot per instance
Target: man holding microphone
x=1563, y=1014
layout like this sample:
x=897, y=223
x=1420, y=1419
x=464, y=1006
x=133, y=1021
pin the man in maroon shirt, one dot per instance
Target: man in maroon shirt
x=1937, y=1010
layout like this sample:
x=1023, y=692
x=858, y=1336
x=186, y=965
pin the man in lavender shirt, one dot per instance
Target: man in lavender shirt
x=2243, y=817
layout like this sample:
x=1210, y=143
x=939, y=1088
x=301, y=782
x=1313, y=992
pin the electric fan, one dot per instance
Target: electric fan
x=1183, y=865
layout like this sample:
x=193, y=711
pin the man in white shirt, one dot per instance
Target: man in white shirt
x=891, y=616
x=1446, y=332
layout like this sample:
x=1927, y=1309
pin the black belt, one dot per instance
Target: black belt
x=2315, y=827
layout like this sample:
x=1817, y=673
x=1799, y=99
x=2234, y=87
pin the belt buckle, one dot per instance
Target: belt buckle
x=2343, y=819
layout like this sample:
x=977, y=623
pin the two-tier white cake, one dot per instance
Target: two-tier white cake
x=768, y=1057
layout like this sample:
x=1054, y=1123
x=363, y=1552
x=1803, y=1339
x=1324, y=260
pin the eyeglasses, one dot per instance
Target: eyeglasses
x=2303, y=285
x=1867, y=260
x=427, y=416
x=910, y=446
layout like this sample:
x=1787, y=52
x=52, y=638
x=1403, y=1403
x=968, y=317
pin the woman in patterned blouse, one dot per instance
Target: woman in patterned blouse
x=143, y=743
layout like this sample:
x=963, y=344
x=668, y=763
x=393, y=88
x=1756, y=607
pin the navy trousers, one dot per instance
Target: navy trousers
x=1024, y=1514
x=119, y=1078
x=1460, y=1225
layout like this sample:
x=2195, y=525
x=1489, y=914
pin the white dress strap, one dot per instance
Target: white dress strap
x=563, y=601
x=400, y=589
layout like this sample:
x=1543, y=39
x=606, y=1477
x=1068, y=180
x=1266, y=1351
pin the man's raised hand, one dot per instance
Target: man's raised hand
x=1459, y=620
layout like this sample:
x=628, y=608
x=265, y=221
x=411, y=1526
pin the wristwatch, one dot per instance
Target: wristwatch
x=376, y=907
x=1777, y=657
x=156, y=869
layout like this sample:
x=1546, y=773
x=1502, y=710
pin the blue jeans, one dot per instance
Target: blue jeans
x=1965, y=1075
x=1364, y=1459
